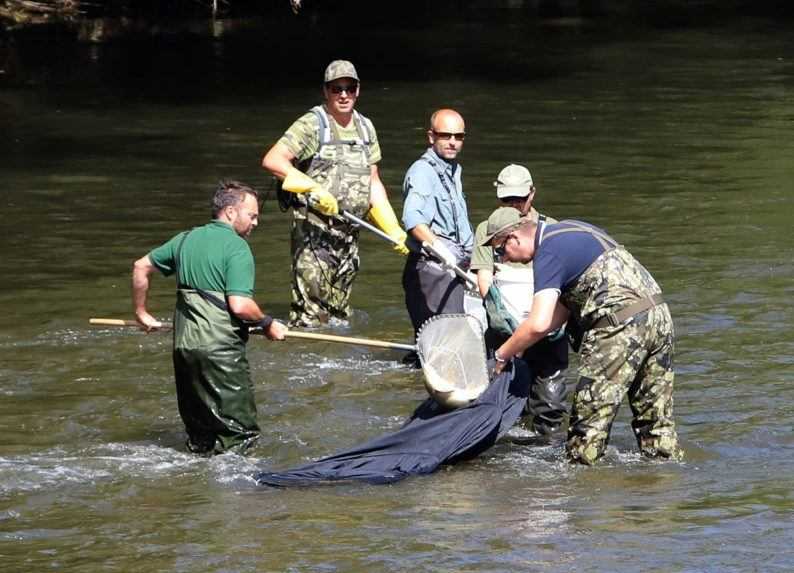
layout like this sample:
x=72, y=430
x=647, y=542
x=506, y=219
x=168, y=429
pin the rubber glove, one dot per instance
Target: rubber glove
x=448, y=259
x=383, y=216
x=324, y=202
x=297, y=181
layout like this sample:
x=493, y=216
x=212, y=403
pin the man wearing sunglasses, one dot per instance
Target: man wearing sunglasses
x=434, y=211
x=618, y=318
x=506, y=288
x=328, y=160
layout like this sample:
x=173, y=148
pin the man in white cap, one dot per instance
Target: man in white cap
x=507, y=289
x=331, y=155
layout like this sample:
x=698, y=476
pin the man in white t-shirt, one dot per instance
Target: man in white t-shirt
x=509, y=301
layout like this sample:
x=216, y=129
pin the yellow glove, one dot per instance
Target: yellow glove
x=297, y=181
x=383, y=216
x=324, y=202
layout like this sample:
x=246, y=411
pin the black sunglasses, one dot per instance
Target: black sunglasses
x=500, y=250
x=338, y=89
x=445, y=135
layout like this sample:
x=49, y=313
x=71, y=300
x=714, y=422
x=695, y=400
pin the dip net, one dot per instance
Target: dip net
x=451, y=349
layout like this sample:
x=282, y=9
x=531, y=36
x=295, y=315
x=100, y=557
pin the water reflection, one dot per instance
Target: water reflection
x=677, y=141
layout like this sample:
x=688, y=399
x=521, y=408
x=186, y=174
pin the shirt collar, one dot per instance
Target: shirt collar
x=222, y=224
x=448, y=166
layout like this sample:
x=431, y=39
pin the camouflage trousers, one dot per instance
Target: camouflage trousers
x=324, y=267
x=634, y=358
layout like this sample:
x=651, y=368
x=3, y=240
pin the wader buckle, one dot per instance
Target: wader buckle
x=617, y=318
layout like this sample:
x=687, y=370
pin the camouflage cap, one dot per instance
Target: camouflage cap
x=340, y=69
x=513, y=181
x=501, y=221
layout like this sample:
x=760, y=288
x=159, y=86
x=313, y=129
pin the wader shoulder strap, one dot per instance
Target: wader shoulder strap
x=329, y=134
x=443, y=178
x=607, y=243
x=361, y=127
x=625, y=313
x=325, y=133
x=208, y=296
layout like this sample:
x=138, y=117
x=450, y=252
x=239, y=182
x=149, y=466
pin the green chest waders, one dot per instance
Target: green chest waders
x=213, y=382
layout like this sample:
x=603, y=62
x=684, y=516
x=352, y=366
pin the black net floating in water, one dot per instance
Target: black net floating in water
x=433, y=436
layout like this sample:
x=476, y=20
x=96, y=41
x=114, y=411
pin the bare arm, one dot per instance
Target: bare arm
x=484, y=281
x=278, y=160
x=422, y=233
x=246, y=309
x=377, y=190
x=141, y=269
x=547, y=314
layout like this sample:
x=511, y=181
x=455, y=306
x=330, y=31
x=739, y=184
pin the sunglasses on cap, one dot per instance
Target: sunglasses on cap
x=338, y=89
x=445, y=135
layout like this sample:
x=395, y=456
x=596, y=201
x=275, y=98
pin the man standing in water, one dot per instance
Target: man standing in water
x=336, y=151
x=434, y=212
x=507, y=291
x=214, y=270
x=616, y=314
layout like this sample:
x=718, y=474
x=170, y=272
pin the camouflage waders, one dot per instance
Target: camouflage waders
x=324, y=267
x=633, y=356
x=213, y=382
x=325, y=257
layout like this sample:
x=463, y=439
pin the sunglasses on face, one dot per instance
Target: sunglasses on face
x=499, y=250
x=446, y=135
x=338, y=89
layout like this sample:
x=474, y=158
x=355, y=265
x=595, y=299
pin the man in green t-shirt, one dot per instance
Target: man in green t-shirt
x=214, y=271
x=332, y=153
x=547, y=403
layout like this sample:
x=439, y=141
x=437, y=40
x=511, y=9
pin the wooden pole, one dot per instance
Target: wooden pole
x=349, y=340
x=290, y=334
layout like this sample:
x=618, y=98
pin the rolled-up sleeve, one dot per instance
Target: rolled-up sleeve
x=419, y=206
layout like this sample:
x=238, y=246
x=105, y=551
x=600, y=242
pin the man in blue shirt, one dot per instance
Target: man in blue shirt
x=620, y=322
x=434, y=212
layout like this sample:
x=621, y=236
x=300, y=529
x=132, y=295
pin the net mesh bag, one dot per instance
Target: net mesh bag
x=451, y=349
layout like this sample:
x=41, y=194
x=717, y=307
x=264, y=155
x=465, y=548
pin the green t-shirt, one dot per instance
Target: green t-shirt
x=213, y=257
x=303, y=137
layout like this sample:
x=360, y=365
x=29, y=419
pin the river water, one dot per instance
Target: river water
x=678, y=141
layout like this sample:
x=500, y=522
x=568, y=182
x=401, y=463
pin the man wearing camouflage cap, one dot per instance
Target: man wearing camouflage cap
x=330, y=155
x=506, y=288
x=615, y=314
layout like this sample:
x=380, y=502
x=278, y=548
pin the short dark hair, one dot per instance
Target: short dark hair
x=230, y=193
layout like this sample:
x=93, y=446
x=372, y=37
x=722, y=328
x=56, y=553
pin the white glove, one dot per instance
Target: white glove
x=448, y=259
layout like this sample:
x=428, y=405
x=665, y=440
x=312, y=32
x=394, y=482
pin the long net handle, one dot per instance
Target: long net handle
x=290, y=334
x=349, y=340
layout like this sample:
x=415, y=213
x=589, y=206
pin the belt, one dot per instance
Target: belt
x=621, y=316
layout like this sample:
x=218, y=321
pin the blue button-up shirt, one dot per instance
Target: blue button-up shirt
x=426, y=200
